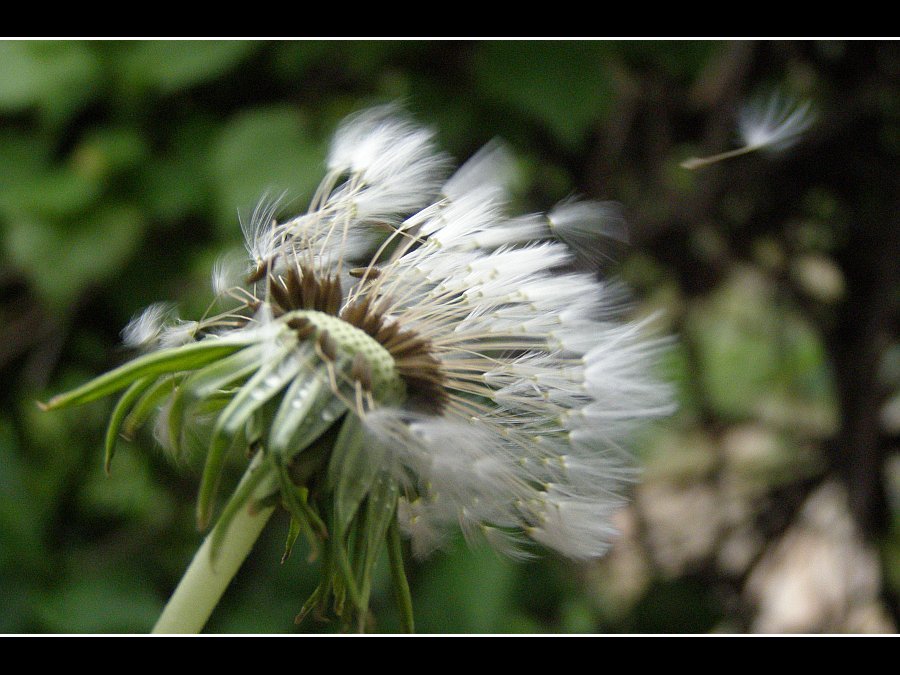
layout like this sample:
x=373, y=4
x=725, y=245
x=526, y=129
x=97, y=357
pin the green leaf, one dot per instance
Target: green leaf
x=35, y=188
x=97, y=246
x=171, y=66
x=57, y=77
x=177, y=180
x=755, y=354
x=565, y=85
x=98, y=599
x=22, y=545
x=465, y=591
x=292, y=61
x=110, y=150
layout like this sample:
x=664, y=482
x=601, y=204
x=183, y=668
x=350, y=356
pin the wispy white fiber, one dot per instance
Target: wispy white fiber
x=770, y=123
x=144, y=329
x=774, y=122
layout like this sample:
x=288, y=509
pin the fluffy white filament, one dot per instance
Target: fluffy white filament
x=544, y=383
x=144, y=329
x=774, y=122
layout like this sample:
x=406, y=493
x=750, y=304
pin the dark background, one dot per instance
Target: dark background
x=770, y=502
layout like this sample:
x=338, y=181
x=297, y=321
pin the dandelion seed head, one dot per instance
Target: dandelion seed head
x=577, y=526
x=405, y=356
x=472, y=357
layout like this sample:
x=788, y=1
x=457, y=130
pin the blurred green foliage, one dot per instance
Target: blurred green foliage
x=124, y=170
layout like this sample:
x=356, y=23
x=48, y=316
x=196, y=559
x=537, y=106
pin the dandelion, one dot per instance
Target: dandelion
x=773, y=123
x=404, y=360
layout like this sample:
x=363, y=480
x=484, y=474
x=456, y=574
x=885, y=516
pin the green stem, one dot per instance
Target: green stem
x=206, y=579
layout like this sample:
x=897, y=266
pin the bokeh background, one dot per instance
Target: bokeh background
x=769, y=503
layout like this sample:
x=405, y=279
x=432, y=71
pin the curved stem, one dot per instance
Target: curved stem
x=207, y=577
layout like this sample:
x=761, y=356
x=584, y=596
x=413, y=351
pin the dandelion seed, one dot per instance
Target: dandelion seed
x=392, y=164
x=581, y=224
x=226, y=274
x=260, y=233
x=775, y=123
x=144, y=329
x=406, y=356
x=772, y=123
x=178, y=333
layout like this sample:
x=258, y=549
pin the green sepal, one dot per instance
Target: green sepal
x=242, y=495
x=318, y=599
x=398, y=575
x=148, y=403
x=294, y=499
x=207, y=384
x=309, y=408
x=344, y=581
x=255, y=393
x=127, y=400
x=350, y=476
x=188, y=357
x=295, y=527
x=216, y=376
x=352, y=470
x=301, y=400
x=371, y=527
x=175, y=420
x=381, y=509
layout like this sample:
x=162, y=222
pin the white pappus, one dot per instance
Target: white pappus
x=404, y=356
x=522, y=382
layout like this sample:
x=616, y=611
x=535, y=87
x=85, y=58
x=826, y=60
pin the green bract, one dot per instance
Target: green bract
x=279, y=390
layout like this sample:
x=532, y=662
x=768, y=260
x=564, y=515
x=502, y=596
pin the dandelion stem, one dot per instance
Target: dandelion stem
x=206, y=579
